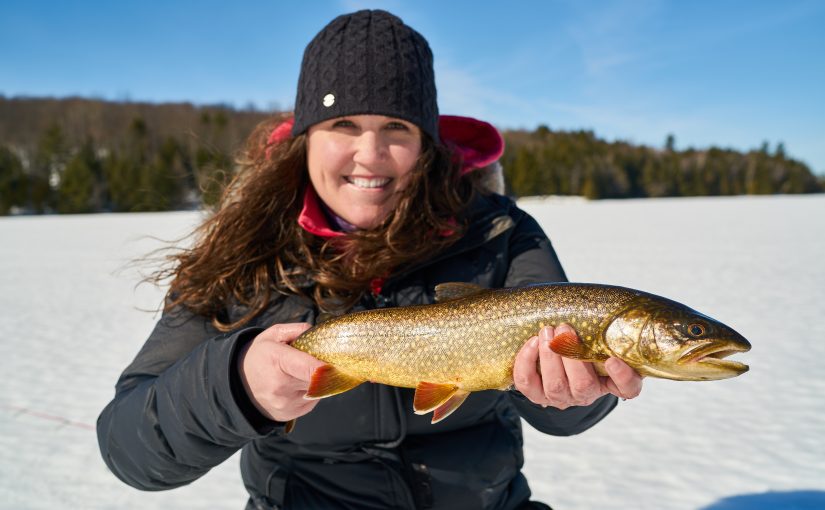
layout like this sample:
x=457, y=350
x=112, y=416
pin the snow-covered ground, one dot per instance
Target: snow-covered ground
x=70, y=321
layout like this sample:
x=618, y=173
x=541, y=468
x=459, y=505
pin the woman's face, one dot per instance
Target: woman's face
x=359, y=163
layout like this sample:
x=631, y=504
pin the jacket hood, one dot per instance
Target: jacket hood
x=477, y=143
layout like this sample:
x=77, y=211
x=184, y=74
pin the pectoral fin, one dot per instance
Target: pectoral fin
x=328, y=380
x=323, y=317
x=567, y=344
x=428, y=396
x=447, y=408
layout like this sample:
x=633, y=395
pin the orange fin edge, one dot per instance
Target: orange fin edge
x=428, y=396
x=448, y=407
x=328, y=380
x=567, y=344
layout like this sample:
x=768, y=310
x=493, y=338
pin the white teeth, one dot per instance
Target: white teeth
x=365, y=182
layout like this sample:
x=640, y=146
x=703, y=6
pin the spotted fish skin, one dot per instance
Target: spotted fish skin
x=469, y=339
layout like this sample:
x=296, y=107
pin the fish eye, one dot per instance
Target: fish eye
x=696, y=330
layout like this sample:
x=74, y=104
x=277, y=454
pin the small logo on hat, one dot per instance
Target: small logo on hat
x=329, y=100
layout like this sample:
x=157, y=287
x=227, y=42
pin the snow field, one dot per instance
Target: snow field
x=70, y=321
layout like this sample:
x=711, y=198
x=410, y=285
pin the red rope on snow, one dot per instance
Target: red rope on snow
x=52, y=417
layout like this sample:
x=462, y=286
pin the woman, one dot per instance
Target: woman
x=366, y=198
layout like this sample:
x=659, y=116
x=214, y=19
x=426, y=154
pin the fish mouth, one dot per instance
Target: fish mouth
x=713, y=355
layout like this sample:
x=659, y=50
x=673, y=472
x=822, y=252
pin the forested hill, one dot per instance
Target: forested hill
x=82, y=155
x=579, y=163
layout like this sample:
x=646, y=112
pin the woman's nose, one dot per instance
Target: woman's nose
x=369, y=148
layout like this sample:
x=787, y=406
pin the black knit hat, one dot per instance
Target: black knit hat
x=367, y=62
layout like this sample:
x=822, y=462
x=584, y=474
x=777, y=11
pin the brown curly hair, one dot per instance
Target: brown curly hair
x=251, y=245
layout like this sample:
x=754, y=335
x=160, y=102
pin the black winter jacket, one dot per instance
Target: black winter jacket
x=180, y=408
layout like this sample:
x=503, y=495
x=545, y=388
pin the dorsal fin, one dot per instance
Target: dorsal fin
x=324, y=316
x=456, y=290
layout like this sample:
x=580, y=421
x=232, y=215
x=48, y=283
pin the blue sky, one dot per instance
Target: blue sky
x=724, y=73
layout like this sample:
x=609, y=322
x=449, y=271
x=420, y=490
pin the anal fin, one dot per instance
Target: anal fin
x=328, y=380
x=428, y=396
x=448, y=407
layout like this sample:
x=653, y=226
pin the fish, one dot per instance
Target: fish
x=468, y=339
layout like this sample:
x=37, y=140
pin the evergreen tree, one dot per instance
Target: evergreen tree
x=77, y=187
x=592, y=187
x=780, y=150
x=759, y=175
x=50, y=161
x=123, y=176
x=14, y=183
x=542, y=131
x=524, y=175
x=163, y=180
x=670, y=143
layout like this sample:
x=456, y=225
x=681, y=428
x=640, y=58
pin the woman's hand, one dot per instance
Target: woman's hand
x=549, y=379
x=275, y=375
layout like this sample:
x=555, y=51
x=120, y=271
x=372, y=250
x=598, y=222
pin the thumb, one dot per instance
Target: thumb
x=292, y=362
x=285, y=333
x=298, y=364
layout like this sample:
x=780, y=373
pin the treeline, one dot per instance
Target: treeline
x=81, y=155
x=545, y=162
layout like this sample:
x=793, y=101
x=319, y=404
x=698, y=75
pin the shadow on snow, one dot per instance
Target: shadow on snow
x=792, y=500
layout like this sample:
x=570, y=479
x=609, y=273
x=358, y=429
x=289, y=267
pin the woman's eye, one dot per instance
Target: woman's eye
x=397, y=126
x=343, y=124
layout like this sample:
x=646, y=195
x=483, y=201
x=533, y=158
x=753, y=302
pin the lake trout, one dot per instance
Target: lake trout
x=469, y=339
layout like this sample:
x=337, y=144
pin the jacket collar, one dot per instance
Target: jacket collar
x=312, y=217
x=490, y=217
x=476, y=142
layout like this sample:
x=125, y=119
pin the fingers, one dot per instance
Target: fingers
x=622, y=380
x=574, y=382
x=285, y=333
x=584, y=384
x=557, y=382
x=562, y=382
x=555, y=385
x=276, y=375
x=292, y=362
x=525, y=376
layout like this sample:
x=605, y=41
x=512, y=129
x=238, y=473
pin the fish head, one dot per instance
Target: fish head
x=673, y=341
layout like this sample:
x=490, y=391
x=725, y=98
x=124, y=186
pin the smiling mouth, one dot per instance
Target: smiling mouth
x=368, y=182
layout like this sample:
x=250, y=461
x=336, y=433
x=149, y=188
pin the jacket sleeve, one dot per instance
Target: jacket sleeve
x=533, y=260
x=179, y=408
